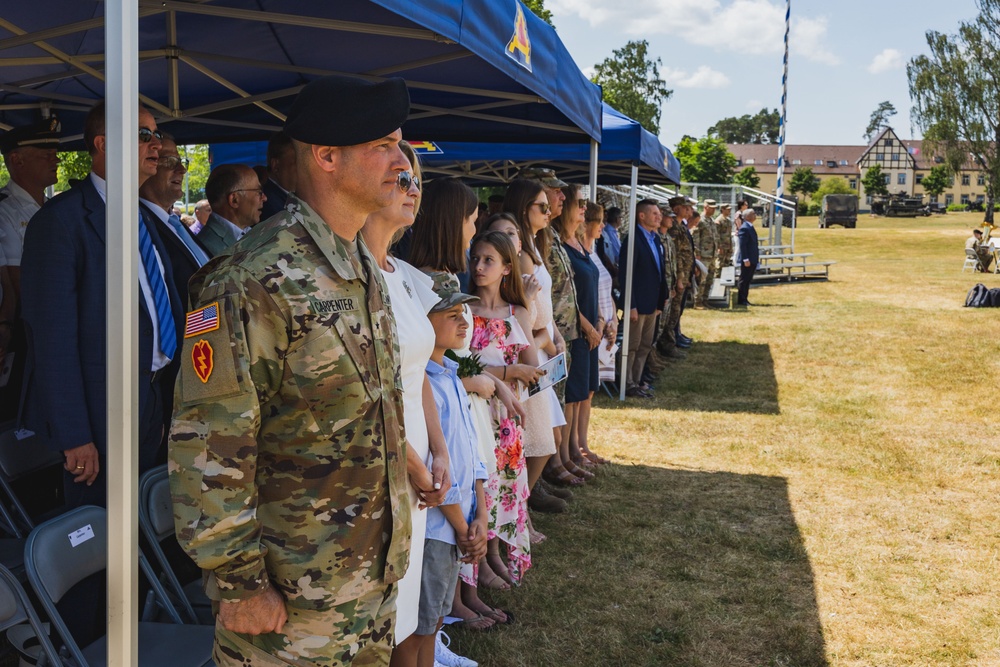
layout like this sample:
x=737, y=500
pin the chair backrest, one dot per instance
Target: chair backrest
x=64, y=551
x=971, y=254
x=15, y=608
x=156, y=510
x=156, y=520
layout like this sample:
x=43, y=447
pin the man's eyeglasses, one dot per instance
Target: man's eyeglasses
x=146, y=135
x=171, y=162
x=542, y=206
x=259, y=191
x=405, y=179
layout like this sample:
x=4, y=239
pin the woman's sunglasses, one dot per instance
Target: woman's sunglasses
x=405, y=179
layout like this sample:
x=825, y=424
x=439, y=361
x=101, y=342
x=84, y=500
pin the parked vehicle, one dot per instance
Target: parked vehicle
x=839, y=210
x=899, y=206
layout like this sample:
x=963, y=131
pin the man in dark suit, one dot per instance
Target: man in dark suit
x=281, y=173
x=157, y=195
x=237, y=199
x=749, y=256
x=649, y=292
x=64, y=305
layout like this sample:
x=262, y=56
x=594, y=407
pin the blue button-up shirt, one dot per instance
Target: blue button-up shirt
x=463, y=448
x=613, y=243
x=653, y=245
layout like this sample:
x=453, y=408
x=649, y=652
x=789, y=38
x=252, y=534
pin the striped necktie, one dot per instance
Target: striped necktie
x=187, y=240
x=161, y=298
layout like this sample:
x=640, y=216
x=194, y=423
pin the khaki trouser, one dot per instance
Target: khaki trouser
x=705, y=286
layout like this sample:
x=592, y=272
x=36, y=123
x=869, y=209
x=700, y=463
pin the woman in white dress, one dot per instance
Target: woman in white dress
x=526, y=201
x=411, y=296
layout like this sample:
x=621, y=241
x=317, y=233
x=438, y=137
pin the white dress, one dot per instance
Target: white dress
x=412, y=296
x=544, y=319
x=538, y=437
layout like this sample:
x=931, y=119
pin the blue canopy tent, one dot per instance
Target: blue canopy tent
x=624, y=142
x=485, y=70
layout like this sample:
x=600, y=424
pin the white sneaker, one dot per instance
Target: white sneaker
x=443, y=655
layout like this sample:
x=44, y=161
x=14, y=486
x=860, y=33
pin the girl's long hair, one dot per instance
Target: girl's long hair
x=521, y=194
x=511, y=286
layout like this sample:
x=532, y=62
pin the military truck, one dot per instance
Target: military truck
x=839, y=210
x=899, y=206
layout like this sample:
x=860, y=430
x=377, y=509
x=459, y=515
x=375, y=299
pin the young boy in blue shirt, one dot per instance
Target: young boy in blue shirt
x=457, y=529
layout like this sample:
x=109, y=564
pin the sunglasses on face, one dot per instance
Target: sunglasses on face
x=146, y=135
x=172, y=162
x=405, y=179
x=543, y=207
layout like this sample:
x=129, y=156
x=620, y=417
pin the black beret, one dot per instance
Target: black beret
x=43, y=134
x=346, y=111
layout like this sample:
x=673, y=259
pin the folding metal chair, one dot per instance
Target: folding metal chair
x=15, y=608
x=972, y=261
x=156, y=520
x=64, y=551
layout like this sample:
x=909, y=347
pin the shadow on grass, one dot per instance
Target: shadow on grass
x=660, y=567
x=727, y=376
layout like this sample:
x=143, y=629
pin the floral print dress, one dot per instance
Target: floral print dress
x=498, y=342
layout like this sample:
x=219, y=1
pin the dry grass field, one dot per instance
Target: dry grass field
x=815, y=484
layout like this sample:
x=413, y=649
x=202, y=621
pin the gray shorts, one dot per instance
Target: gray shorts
x=438, y=580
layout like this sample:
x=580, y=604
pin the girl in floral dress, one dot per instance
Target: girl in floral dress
x=500, y=320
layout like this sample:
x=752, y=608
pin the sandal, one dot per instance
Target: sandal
x=495, y=563
x=573, y=469
x=495, y=614
x=491, y=580
x=477, y=623
x=563, y=478
x=594, y=458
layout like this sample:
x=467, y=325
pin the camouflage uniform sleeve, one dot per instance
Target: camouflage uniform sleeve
x=227, y=373
x=565, y=312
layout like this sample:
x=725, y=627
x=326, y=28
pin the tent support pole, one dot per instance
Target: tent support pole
x=122, y=475
x=593, y=170
x=632, y=233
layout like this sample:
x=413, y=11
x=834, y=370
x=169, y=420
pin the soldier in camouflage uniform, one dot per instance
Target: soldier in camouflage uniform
x=706, y=245
x=287, y=453
x=724, y=229
x=684, y=249
x=657, y=361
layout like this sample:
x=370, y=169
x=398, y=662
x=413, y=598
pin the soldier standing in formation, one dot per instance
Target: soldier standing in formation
x=706, y=248
x=724, y=227
x=287, y=454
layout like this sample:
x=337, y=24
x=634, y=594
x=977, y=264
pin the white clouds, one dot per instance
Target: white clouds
x=886, y=61
x=755, y=105
x=703, y=77
x=753, y=27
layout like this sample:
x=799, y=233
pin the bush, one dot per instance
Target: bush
x=956, y=207
x=802, y=208
x=814, y=209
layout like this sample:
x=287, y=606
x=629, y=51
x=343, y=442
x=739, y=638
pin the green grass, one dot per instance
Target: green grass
x=816, y=484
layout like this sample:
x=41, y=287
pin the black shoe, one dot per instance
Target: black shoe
x=637, y=392
x=684, y=344
x=685, y=339
x=556, y=491
x=542, y=501
x=647, y=380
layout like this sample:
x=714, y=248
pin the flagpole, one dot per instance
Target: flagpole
x=780, y=189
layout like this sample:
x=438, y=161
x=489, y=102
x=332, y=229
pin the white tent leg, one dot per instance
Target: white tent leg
x=593, y=170
x=628, y=281
x=122, y=47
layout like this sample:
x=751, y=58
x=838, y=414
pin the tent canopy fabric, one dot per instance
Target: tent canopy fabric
x=624, y=142
x=483, y=70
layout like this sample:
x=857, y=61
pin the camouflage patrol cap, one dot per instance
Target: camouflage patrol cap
x=711, y=202
x=725, y=207
x=677, y=201
x=43, y=134
x=450, y=297
x=546, y=177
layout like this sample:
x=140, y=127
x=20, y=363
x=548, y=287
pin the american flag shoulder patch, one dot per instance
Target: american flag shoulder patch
x=202, y=320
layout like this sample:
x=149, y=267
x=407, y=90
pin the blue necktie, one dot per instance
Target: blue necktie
x=185, y=236
x=161, y=298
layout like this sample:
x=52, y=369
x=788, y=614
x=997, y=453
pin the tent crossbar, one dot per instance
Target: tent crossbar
x=300, y=21
x=239, y=102
x=472, y=107
x=417, y=64
x=501, y=119
x=322, y=71
x=61, y=30
x=222, y=81
x=44, y=94
x=224, y=123
x=52, y=77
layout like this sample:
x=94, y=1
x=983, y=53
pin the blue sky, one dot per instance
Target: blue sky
x=723, y=57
